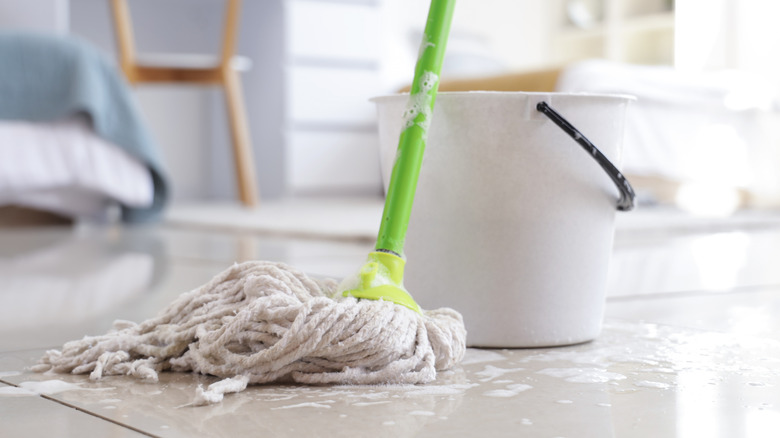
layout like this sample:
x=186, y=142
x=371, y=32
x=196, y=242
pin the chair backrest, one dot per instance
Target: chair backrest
x=123, y=27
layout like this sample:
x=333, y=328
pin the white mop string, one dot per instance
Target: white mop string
x=260, y=322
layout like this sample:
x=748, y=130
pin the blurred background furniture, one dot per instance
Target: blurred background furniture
x=71, y=140
x=194, y=69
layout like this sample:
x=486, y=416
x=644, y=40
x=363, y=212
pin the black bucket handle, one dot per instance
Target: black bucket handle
x=627, y=195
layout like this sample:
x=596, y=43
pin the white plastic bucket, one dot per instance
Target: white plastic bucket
x=513, y=222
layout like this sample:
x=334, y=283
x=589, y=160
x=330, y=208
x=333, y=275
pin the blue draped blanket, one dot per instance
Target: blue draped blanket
x=47, y=77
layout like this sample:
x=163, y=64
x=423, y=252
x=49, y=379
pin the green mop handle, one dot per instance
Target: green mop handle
x=411, y=145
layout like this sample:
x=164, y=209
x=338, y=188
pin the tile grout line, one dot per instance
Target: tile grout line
x=126, y=426
x=84, y=411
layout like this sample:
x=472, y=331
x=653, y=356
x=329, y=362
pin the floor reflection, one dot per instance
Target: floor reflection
x=54, y=279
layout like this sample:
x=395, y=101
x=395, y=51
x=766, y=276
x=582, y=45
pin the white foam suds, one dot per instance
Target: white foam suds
x=277, y=399
x=388, y=423
x=652, y=384
x=604, y=405
x=428, y=80
x=597, y=357
x=582, y=375
x=303, y=405
x=526, y=422
x=370, y=403
x=111, y=400
x=510, y=391
x=564, y=402
x=423, y=413
x=49, y=387
x=500, y=393
x=419, y=103
x=423, y=46
x=9, y=373
x=14, y=391
x=490, y=372
x=662, y=370
x=454, y=389
x=519, y=387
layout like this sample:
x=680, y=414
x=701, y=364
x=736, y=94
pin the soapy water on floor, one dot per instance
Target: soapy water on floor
x=490, y=372
x=423, y=413
x=321, y=405
x=371, y=403
x=500, y=393
x=627, y=358
x=45, y=387
x=110, y=400
x=510, y=390
x=583, y=375
x=480, y=356
x=652, y=384
x=13, y=391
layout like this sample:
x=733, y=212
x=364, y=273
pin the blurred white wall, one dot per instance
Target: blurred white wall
x=727, y=34
x=37, y=15
x=487, y=36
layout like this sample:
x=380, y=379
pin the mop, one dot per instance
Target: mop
x=261, y=322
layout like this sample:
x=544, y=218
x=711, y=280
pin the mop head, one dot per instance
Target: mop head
x=262, y=322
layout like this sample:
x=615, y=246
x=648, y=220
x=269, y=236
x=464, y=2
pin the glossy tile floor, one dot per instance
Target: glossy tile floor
x=690, y=347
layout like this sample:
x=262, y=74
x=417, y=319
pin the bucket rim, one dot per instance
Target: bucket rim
x=513, y=94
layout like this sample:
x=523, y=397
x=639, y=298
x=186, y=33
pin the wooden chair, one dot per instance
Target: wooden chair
x=224, y=72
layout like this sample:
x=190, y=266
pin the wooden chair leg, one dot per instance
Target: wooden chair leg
x=242, y=145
